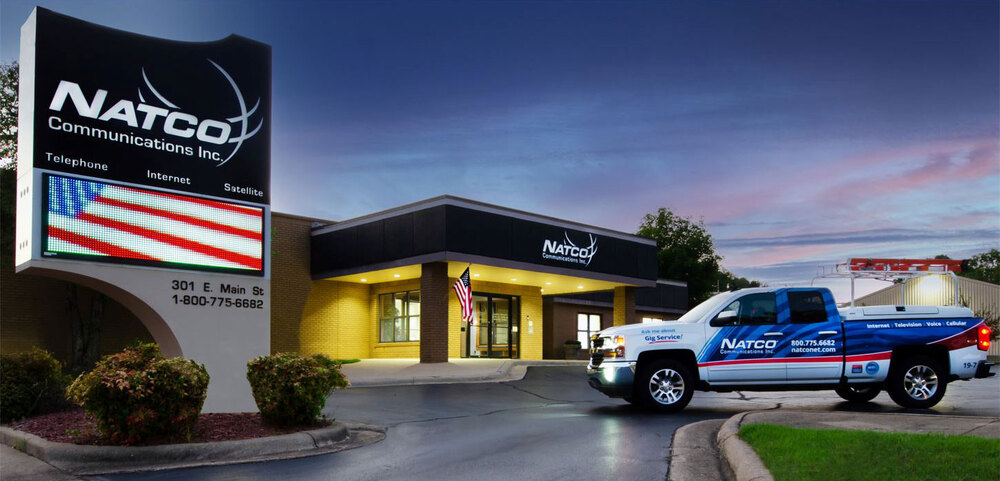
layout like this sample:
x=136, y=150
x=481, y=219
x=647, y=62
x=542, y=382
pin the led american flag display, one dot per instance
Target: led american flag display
x=108, y=222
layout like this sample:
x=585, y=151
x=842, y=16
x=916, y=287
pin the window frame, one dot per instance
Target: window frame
x=740, y=319
x=405, y=322
x=590, y=315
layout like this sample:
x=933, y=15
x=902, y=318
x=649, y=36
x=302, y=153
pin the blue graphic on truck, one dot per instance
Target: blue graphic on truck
x=796, y=337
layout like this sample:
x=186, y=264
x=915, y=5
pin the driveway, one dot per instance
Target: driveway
x=548, y=426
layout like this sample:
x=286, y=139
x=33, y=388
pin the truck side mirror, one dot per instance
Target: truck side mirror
x=725, y=318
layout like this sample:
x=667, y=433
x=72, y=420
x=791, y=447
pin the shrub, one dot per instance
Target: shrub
x=291, y=389
x=137, y=394
x=31, y=383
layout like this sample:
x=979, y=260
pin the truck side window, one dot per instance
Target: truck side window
x=749, y=310
x=806, y=307
x=756, y=309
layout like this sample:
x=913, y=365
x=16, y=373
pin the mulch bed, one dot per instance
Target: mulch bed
x=77, y=428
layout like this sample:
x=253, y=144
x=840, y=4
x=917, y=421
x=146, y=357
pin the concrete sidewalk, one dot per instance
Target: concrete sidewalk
x=393, y=372
x=691, y=460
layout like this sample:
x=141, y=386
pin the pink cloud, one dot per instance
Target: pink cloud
x=833, y=185
x=939, y=169
x=774, y=255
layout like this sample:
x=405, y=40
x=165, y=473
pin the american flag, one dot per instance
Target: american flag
x=463, y=288
x=98, y=219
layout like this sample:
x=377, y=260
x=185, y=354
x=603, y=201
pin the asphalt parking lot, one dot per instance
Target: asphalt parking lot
x=548, y=426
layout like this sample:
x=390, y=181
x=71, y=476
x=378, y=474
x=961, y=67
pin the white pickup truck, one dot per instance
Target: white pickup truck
x=791, y=339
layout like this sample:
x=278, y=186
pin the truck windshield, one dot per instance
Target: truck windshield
x=699, y=311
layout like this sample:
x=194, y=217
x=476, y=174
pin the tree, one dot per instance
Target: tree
x=8, y=114
x=728, y=280
x=8, y=161
x=983, y=267
x=685, y=252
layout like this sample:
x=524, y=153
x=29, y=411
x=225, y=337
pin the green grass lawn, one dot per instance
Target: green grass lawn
x=794, y=454
x=347, y=361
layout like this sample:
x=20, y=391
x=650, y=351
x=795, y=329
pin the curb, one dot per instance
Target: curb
x=694, y=455
x=90, y=460
x=506, y=372
x=742, y=459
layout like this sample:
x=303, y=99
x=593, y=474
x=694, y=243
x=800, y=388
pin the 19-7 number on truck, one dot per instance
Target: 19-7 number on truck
x=791, y=339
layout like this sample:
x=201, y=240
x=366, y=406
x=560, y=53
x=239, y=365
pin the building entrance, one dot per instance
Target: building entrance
x=494, y=331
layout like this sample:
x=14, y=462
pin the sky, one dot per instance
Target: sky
x=801, y=133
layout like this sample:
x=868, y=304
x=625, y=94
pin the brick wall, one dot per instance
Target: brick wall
x=561, y=323
x=290, y=280
x=564, y=325
x=34, y=313
x=625, y=306
x=335, y=321
x=434, y=325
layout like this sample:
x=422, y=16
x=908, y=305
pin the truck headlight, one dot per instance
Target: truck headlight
x=608, y=347
x=616, y=348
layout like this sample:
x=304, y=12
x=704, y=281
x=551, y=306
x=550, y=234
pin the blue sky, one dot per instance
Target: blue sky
x=802, y=133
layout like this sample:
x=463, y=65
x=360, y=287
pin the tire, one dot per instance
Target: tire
x=916, y=382
x=857, y=394
x=665, y=385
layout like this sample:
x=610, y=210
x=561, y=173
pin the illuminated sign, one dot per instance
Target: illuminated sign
x=901, y=265
x=565, y=250
x=184, y=116
x=106, y=222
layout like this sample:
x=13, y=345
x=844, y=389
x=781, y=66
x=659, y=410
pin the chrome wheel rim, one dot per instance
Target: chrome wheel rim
x=666, y=386
x=920, y=382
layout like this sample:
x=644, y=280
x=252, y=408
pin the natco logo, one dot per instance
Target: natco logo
x=164, y=121
x=565, y=250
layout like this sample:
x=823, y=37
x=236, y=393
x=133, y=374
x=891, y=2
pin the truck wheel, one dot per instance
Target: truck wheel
x=665, y=385
x=857, y=394
x=916, y=382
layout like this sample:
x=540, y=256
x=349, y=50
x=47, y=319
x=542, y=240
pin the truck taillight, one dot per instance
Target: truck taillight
x=984, y=338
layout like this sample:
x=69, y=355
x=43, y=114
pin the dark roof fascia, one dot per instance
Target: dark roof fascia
x=302, y=217
x=489, y=261
x=482, y=207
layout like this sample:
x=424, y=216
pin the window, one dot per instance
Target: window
x=751, y=309
x=587, y=325
x=648, y=320
x=399, y=316
x=806, y=307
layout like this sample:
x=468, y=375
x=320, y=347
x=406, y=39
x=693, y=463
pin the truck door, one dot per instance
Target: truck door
x=744, y=349
x=815, y=336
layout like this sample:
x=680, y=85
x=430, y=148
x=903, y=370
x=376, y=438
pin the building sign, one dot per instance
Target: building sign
x=99, y=221
x=117, y=129
x=456, y=229
x=900, y=265
x=193, y=117
x=143, y=172
x=566, y=251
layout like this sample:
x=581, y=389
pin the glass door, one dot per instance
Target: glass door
x=500, y=327
x=494, y=332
